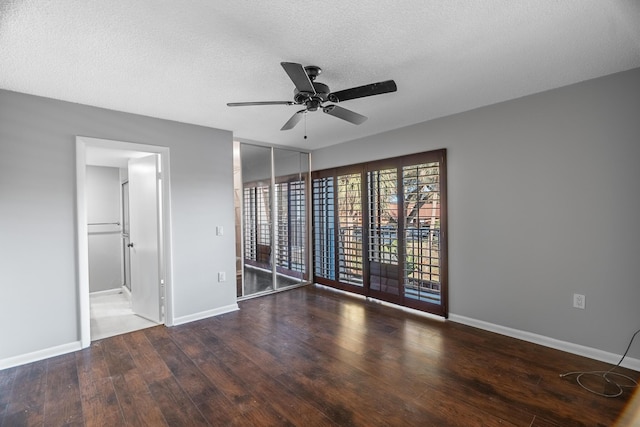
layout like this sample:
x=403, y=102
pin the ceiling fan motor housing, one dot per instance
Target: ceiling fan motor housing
x=312, y=100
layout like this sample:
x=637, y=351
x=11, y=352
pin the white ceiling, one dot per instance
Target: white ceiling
x=185, y=60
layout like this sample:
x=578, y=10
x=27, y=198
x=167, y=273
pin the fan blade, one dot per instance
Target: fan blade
x=344, y=114
x=299, y=76
x=362, y=91
x=293, y=120
x=243, y=104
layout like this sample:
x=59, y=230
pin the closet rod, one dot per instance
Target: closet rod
x=103, y=223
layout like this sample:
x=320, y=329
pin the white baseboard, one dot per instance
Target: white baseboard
x=107, y=292
x=580, y=350
x=35, y=356
x=205, y=314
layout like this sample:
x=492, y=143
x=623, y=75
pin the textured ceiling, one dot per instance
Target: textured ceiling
x=185, y=60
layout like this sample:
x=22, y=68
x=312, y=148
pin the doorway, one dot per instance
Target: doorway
x=146, y=180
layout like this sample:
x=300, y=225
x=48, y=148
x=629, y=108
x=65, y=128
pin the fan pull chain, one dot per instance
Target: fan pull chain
x=305, y=125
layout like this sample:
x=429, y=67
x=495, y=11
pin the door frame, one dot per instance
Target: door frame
x=126, y=251
x=82, y=144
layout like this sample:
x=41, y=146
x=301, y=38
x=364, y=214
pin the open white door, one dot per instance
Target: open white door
x=144, y=237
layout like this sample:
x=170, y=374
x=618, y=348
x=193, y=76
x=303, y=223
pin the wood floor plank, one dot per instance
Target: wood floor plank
x=227, y=382
x=175, y=404
x=371, y=406
x=63, y=404
x=182, y=367
x=26, y=402
x=211, y=403
x=145, y=357
x=7, y=377
x=117, y=356
x=138, y=406
x=254, y=409
x=100, y=405
x=481, y=389
x=308, y=357
x=254, y=373
x=533, y=387
x=278, y=362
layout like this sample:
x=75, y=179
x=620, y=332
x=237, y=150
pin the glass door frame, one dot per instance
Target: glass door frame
x=399, y=163
x=378, y=166
x=335, y=243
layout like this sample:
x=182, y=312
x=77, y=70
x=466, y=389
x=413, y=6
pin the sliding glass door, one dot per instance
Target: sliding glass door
x=324, y=237
x=384, y=241
x=349, y=202
x=379, y=230
x=422, y=231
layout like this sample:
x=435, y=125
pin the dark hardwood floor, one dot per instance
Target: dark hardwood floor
x=307, y=357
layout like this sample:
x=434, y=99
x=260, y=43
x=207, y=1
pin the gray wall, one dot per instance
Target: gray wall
x=39, y=304
x=105, y=238
x=544, y=202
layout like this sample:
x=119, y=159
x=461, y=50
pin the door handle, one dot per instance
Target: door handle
x=130, y=245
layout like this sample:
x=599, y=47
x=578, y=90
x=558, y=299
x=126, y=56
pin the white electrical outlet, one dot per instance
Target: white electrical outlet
x=220, y=230
x=578, y=301
x=222, y=276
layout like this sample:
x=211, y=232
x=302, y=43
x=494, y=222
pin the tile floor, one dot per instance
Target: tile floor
x=111, y=315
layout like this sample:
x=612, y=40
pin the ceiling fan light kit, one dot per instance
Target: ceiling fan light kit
x=312, y=95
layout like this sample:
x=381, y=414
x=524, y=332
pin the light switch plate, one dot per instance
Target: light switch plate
x=578, y=301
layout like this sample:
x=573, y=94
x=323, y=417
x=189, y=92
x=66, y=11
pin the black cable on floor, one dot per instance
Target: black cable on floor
x=606, y=376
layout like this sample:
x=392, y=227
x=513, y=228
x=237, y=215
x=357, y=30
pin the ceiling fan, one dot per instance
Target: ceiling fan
x=312, y=95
